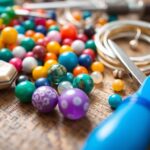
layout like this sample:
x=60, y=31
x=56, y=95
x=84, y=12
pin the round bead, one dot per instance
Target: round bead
x=83, y=82
x=19, y=52
x=77, y=15
x=44, y=99
x=20, y=29
x=6, y=18
x=69, y=60
x=54, y=36
x=85, y=60
x=102, y=21
x=5, y=54
x=90, y=52
x=42, y=82
x=118, y=73
x=69, y=77
x=79, y=70
x=28, y=44
x=86, y=14
x=78, y=46
x=49, y=56
x=97, y=77
x=67, y=42
x=41, y=29
x=89, y=31
x=115, y=100
x=54, y=27
x=22, y=78
x=53, y=47
x=9, y=35
x=56, y=73
x=90, y=44
x=64, y=85
x=118, y=85
x=38, y=36
x=112, y=18
x=49, y=63
x=52, y=14
x=65, y=48
x=68, y=31
x=10, y=11
x=82, y=37
x=24, y=91
x=50, y=23
x=29, y=54
x=17, y=63
x=29, y=33
x=41, y=42
x=40, y=21
x=97, y=66
x=39, y=52
x=73, y=104
x=29, y=25
x=20, y=38
x=39, y=72
x=28, y=64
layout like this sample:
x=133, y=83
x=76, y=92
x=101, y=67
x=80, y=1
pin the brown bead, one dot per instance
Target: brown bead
x=118, y=74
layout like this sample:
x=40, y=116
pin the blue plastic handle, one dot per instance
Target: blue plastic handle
x=128, y=128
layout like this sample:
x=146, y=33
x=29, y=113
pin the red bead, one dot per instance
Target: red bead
x=82, y=37
x=90, y=52
x=67, y=42
x=17, y=63
x=46, y=40
x=40, y=21
x=68, y=31
x=39, y=52
x=41, y=42
x=29, y=54
x=14, y=22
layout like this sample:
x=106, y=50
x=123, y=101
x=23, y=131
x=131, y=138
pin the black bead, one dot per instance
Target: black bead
x=89, y=31
x=21, y=78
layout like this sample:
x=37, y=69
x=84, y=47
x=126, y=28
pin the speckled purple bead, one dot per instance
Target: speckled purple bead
x=73, y=103
x=45, y=99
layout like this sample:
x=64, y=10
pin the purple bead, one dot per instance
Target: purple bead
x=73, y=103
x=54, y=36
x=45, y=99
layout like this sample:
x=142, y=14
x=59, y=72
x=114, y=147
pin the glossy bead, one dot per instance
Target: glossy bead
x=64, y=85
x=115, y=100
x=24, y=91
x=85, y=60
x=83, y=82
x=79, y=70
x=90, y=44
x=89, y=31
x=53, y=47
x=118, y=74
x=112, y=18
x=69, y=60
x=52, y=14
x=38, y=36
x=44, y=99
x=97, y=66
x=65, y=48
x=28, y=44
x=20, y=29
x=42, y=82
x=49, y=56
x=102, y=21
x=54, y=36
x=10, y=11
x=86, y=14
x=54, y=27
x=73, y=104
x=28, y=64
x=69, y=77
x=40, y=21
x=78, y=46
x=39, y=72
x=22, y=78
x=39, y=52
x=6, y=18
x=118, y=85
x=29, y=33
x=82, y=37
x=19, y=52
x=9, y=35
x=29, y=54
x=68, y=31
x=97, y=77
x=90, y=52
x=67, y=42
x=77, y=15
x=20, y=38
x=29, y=25
x=50, y=22
x=17, y=63
x=49, y=63
x=5, y=54
x=56, y=73
x=40, y=29
x=41, y=42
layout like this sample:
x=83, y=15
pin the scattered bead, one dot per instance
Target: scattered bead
x=97, y=77
x=29, y=25
x=49, y=56
x=67, y=42
x=90, y=52
x=17, y=63
x=65, y=48
x=89, y=31
x=54, y=36
x=85, y=60
x=97, y=66
x=118, y=74
x=82, y=37
x=79, y=70
x=54, y=27
x=42, y=82
x=5, y=54
x=118, y=85
x=41, y=29
x=38, y=36
x=49, y=63
x=22, y=78
x=19, y=52
x=69, y=77
x=90, y=44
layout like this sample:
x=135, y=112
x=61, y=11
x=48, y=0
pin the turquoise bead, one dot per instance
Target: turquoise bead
x=52, y=28
x=112, y=18
x=114, y=100
x=90, y=44
x=5, y=54
x=10, y=12
x=29, y=25
x=86, y=14
x=69, y=77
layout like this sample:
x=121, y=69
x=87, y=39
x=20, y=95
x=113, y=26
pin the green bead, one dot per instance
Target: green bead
x=10, y=12
x=29, y=25
x=83, y=82
x=28, y=44
x=6, y=18
x=52, y=28
x=69, y=77
x=5, y=54
x=91, y=44
x=24, y=91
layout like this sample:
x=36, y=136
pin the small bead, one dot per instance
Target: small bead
x=49, y=63
x=65, y=48
x=5, y=54
x=91, y=44
x=19, y=52
x=89, y=31
x=54, y=36
x=79, y=70
x=85, y=60
x=49, y=56
x=118, y=85
x=17, y=63
x=90, y=52
x=38, y=36
x=29, y=25
x=97, y=66
x=97, y=77
x=41, y=29
x=118, y=74
x=42, y=82
x=21, y=78
x=28, y=44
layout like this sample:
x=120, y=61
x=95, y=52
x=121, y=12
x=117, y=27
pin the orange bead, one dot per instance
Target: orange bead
x=49, y=56
x=11, y=46
x=65, y=48
x=79, y=70
x=97, y=66
x=77, y=15
x=50, y=23
x=29, y=33
x=118, y=85
x=48, y=64
x=102, y=21
x=38, y=36
x=1, y=43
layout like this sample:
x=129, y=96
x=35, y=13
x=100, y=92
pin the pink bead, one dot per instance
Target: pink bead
x=29, y=54
x=46, y=40
x=40, y=21
x=67, y=42
x=82, y=37
x=54, y=36
x=17, y=63
x=41, y=42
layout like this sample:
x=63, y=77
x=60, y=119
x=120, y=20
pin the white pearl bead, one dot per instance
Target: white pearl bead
x=20, y=38
x=97, y=77
x=65, y=85
x=19, y=52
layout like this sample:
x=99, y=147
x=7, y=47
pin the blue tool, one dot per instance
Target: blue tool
x=128, y=128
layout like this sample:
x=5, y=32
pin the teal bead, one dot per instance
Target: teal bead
x=24, y=91
x=10, y=11
x=5, y=54
x=52, y=28
x=83, y=82
x=112, y=18
x=87, y=14
x=114, y=100
x=90, y=44
x=69, y=77
x=29, y=25
x=6, y=18
x=20, y=29
x=28, y=44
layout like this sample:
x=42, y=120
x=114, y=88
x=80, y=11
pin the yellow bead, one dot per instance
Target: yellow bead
x=9, y=35
x=118, y=85
x=102, y=21
x=48, y=64
x=65, y=48
x=39, y=72
x=97, y=66
x=53, y=47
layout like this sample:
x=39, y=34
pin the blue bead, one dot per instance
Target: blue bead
x=85, y=60
x=69, y=77
x=112, y=18
x=42, y=82
x=20, y=29
x=52, y=14
x=41, y=29
x=69, y=60
x=115, y=100
x=86, y=14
